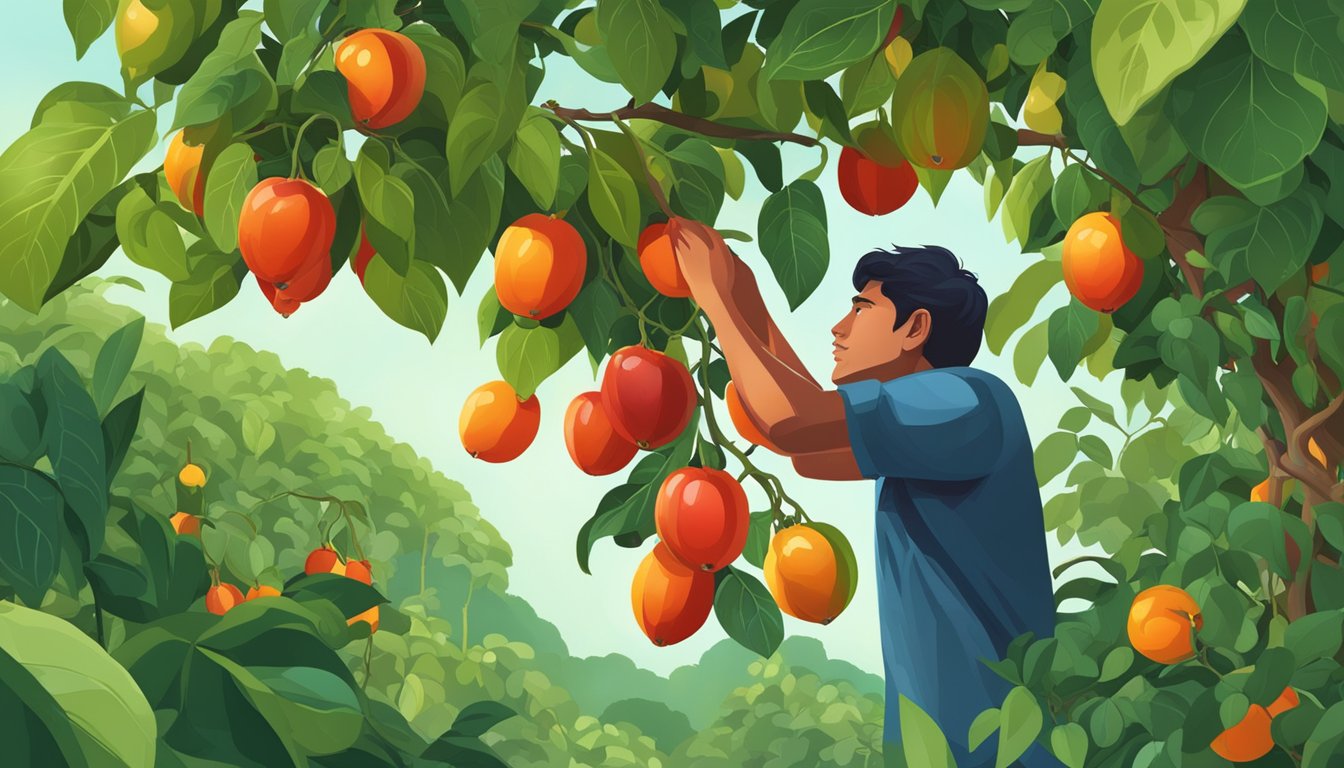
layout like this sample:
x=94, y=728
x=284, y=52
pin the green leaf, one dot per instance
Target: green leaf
x=1037, y=32
x=55, y=174
x=473, y=216
x=1095, y=448
x=390, y=223
x=1138, y=47
x=641, y=44
x=822, y=37
x=822, y=102
x=528, y=356
x=491, y=318
x=214, y=281
x=792, y=228
x=613, y=198
x=1322, y=746
x=332, y=170
x=535, y=157
x=469, y=133
x=747, y=612
x=1107, y=723
x=75, y=446
x=922, y=741
x=233, y=175
x=595, y=310
x=231, y=80
x=30, y=511
x=1077, y=191
x=1054, y=455
x=1298, y=37
x=445, y=72
x=477, y=718
x=1071, y=326
x=1029, y=189
x=119, y=429
x=149, y=236
x=1020, y=721
x=111, y=720
x=1250, y=122
x=1030, y=352
x=1012, y=309
x=1069, y=743
x=758, y=538
x=1267, y=243
x=1096, y=127
x=1315, y=636
x=417, y=300
x=114, y=362
x=703, y=33
x=866, y=85
x=699, y=186
x=87, y=21
x=1330, y=338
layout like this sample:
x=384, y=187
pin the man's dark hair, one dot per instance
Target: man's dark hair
x=931, y=278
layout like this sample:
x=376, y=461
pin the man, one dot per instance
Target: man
x=961, y=557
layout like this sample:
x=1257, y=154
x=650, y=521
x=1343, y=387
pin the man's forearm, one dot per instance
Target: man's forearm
x=746, y=297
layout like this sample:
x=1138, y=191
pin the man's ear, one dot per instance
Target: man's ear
x=917, y=328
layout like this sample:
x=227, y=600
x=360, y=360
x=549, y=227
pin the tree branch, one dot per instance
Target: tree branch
x=1181, y=237
x=1026, y=138
x=661, y=114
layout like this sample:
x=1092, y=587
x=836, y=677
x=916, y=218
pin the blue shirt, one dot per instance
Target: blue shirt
x=961, y=558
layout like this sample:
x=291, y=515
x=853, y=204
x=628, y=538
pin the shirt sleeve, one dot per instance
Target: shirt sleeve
x=928, y=426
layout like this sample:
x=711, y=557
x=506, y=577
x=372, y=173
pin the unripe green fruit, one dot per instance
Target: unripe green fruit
x=153, y=36
x=940, y=111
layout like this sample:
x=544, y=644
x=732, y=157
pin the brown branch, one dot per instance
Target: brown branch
x=1181, y=236
x=661, y=114
x=1026, y=138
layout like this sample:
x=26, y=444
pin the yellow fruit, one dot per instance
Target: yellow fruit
x=192, y=476
x=898, y=55
x=1040, y=112
x=150, y=40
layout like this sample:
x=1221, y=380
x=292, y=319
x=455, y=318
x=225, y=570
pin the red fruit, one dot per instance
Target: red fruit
x=321, y=560
x=872, y=188
x=363, y=256
x=648, y=396
x=221, y=598
x=385, y=75
x=305, y=286
x=701, y=515
x=659, y=262
x=359, y=571
x=593, y=443
x=895, y=28
x=671, y=601
x=285, y=226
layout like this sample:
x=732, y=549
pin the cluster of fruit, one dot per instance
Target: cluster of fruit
x=286, y=226
x=1162, y=624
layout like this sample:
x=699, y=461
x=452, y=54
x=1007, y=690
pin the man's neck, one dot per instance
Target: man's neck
x=902, y=367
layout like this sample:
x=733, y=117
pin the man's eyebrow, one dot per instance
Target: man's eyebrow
x=862, y=300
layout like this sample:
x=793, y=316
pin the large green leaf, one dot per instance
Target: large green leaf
x=75, y=446
x=1249, y=121
x=699, y=187
x=792, y=228
x=88, y=20
x=1037, y=31
x=150, y=237
x=922, y=741
x=1096, y=127
x=1138, y=46
x=390, y=223
x=1071, y=326
x=30, y=513
x=1069, y=743
x=52, y=177
x=535, y=157
x=1012, y=309
x=641, y=43
x=312, y=710
x=215, y=279
x=492, y=28
x=1268, y=243
x=822, y=37
x=417, y=300
x=613, y=197
x=474, y=122
x=595, y=310
x=1299, y=37
x=1029, y=189
x=114, y=362
x=112, y=722
x=528, y=356
x=231, y=80
x=747, y=612
x=232, y=176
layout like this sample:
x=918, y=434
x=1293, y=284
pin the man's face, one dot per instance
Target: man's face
x=867, y=343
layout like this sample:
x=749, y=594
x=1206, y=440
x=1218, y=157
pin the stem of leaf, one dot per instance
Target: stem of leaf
x=295, y=167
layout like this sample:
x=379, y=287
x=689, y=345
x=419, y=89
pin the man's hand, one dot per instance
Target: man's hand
x=709, y=267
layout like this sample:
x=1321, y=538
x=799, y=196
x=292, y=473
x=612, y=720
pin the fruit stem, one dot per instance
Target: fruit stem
x=250, y=524
x=654, y=186
x=613, y=276
x=295, y=167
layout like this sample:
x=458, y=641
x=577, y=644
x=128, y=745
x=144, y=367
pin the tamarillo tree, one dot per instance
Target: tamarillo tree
x=1179, y=166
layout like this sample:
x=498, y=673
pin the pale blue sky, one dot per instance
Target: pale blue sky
x=539, y=501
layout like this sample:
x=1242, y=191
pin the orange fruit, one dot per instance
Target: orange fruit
x=264, y=590
x=384, y=73
x=1286, y=701
x=810, y=571
x=745, y=427
x=701, y=515
x=182, y=167
x=221, y=598
x=591, y=440
x=1247, y=740
x=659, y=262
x=539, y=266
x=185, y=524
x=1261, y=491
x=363, y=256
x=322, y=560
x=286, y=226
x=495, y=426
x=671, y=600
x=1099, y=269
x=1160, y=622
x=1319, y=272
x=359, y=571
x=307, y=285
x=192, y=476
x=370, y=616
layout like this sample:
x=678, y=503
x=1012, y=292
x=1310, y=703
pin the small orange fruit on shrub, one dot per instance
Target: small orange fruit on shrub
x=1099, y=269
x=745, y=427
x=385, y=75
x=671, y=600
x=1160, y=622
x=495, y=426
x=359, y=571
x=701, y=515
x=185, y=524
x=811, y=572
x=370, y=617
x=322, y=560
x=1248, y=740
x=183, y=167
x=539, y=266
x=221, y=598
x=592, y=443
x=1286, y=701
x=286, y=225
x=263, y=590
x=659, y=262
x=192, y=476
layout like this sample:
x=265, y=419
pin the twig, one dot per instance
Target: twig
x=661, y=114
